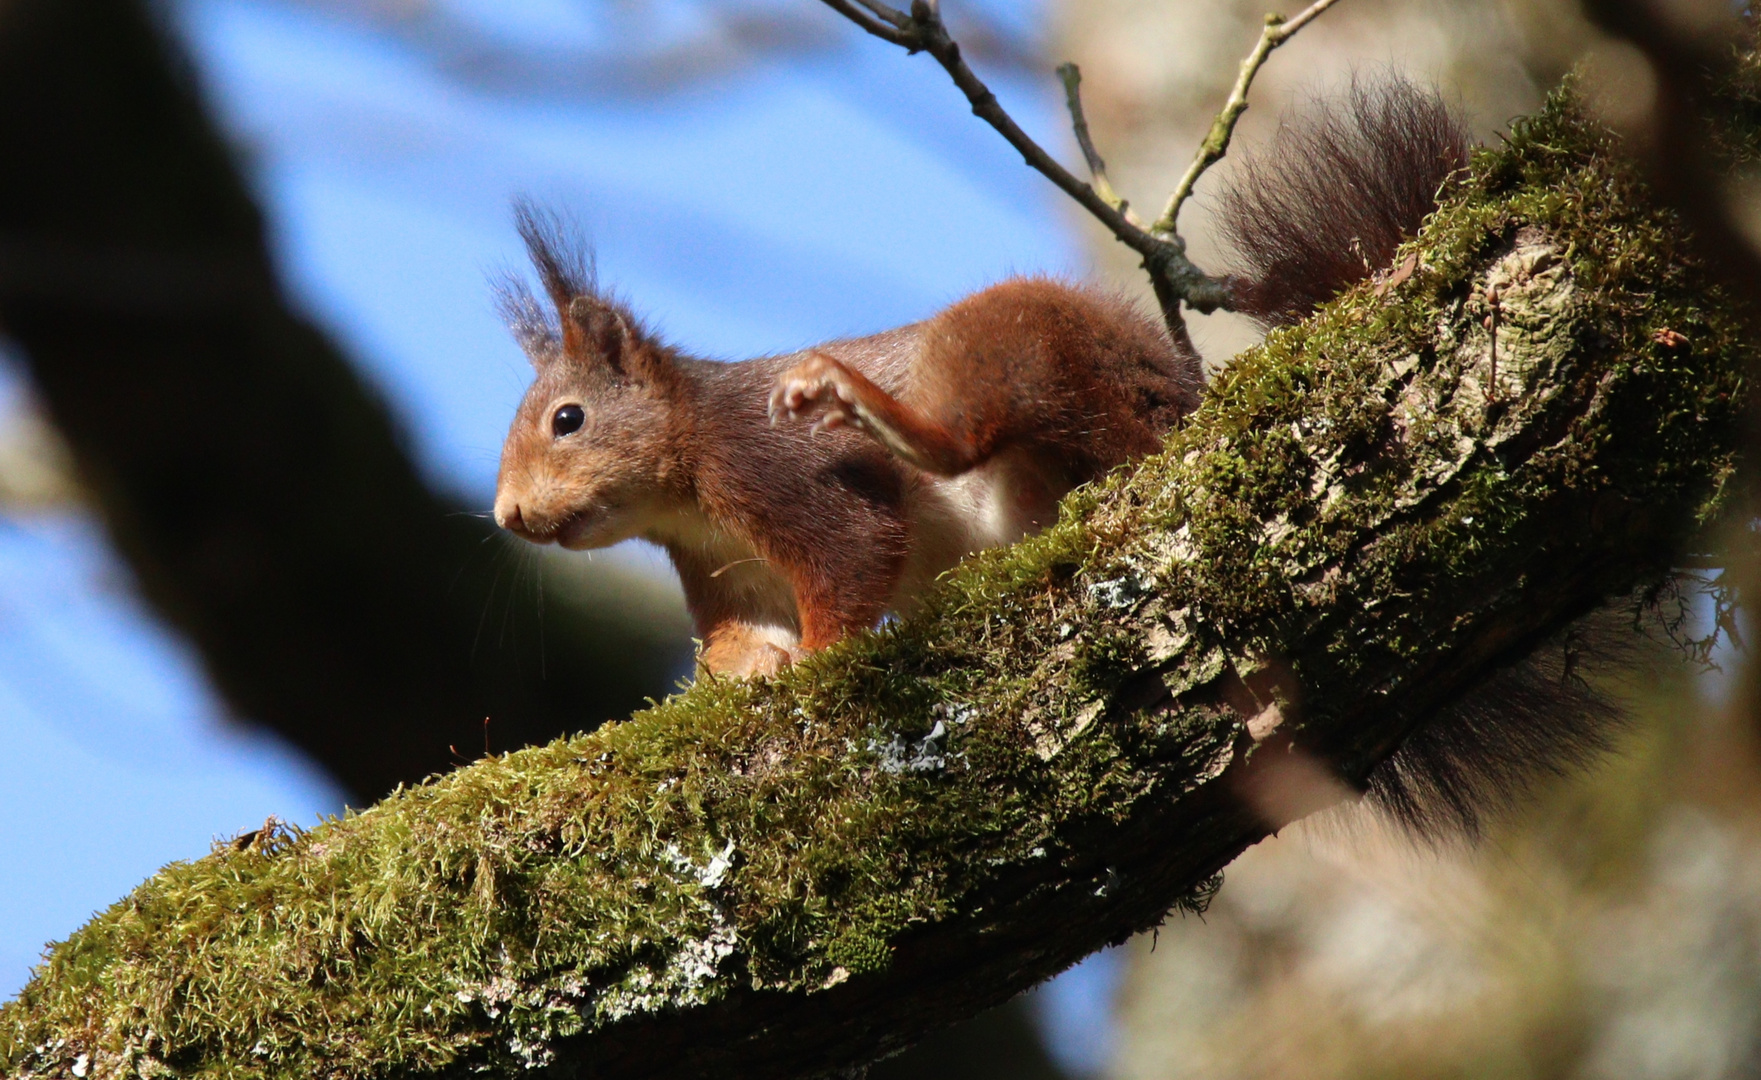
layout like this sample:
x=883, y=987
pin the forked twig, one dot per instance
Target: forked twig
x=1071, y=76
x=892, y=29
x=1277, y=31
x=1174, y=277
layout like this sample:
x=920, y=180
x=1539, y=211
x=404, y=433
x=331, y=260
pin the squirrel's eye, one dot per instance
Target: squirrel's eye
x=567, y=420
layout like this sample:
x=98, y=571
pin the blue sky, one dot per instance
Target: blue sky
x=832, y=192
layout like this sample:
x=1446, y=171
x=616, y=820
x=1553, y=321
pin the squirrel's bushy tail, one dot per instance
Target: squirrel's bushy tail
x=1340, y=187
x=1323, y=208
x=1526, y=720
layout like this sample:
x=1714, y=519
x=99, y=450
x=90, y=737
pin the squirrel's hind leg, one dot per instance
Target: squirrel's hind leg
x=837, y=395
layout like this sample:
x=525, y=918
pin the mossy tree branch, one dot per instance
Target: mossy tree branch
x=785, y=878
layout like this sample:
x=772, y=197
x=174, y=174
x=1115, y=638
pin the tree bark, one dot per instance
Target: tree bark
x=786, y=878
x=259, y=490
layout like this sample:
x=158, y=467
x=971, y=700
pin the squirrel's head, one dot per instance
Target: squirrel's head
x=592, y=455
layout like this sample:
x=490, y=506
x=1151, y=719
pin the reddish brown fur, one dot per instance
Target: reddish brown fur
x=1077, y=380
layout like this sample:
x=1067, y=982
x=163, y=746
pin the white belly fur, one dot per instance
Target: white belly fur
x=995, y=504
x=762, y=592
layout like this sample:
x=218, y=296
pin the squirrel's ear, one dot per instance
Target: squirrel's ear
x=594, y=329
x=598, y=331
x=565, y=268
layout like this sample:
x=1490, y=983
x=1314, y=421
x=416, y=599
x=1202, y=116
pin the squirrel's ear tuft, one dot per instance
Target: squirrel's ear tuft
x=565, y=269
x=558, y=251
x=589, y=327
x=533, y=327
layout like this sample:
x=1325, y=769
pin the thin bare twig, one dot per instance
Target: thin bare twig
x=1071, y=75
x=1173, y=276
x=889, y=13
x=894, y=33
x=1277, y=31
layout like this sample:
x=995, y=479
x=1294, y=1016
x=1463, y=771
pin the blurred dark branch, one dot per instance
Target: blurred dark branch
x=636, y=56
x=1692, y=61
x=260, y=491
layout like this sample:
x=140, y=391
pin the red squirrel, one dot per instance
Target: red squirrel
x=803, y=496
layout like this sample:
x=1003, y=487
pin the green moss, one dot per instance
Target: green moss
x=1350, y=521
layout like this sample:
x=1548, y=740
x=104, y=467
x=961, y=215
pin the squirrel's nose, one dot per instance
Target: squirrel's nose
x=508, y=517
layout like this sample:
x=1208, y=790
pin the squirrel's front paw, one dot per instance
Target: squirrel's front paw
x=818, y=386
